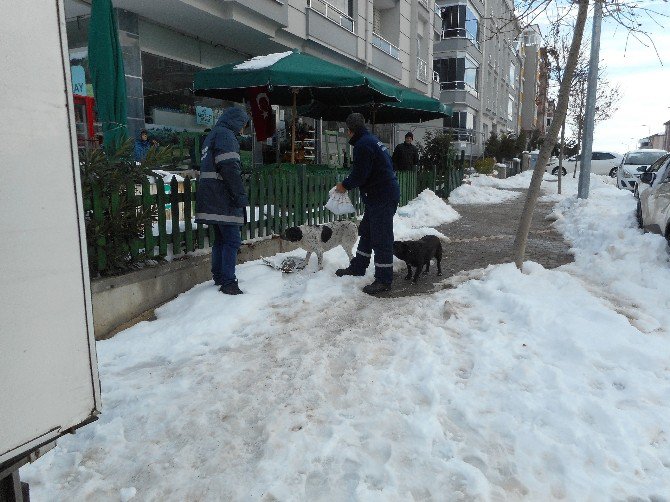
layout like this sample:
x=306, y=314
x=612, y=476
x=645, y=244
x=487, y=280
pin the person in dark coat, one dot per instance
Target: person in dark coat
x=221, y=199
x=142, y=145
x=372, y=172
x=406, y=155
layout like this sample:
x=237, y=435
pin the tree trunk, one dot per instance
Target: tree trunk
x=551, y=137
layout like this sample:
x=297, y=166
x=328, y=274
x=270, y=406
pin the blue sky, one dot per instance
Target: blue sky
x=642, y=75
x=643, y=78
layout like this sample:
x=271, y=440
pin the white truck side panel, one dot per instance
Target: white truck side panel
x=48, y=368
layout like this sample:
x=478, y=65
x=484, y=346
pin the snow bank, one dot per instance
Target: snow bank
x=259, y=62
x=417, y=218
x=541, y=385
x=476, y=194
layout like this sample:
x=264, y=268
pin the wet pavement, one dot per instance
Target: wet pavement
x=484, y=235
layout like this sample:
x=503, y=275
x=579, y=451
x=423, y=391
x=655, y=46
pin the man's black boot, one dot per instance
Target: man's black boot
x=348, y=271
x=377, y=287
x=231, y=289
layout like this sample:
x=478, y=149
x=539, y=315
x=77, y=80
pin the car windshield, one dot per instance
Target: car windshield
x=643, y=158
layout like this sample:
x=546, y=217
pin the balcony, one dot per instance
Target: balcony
x=331, y=27
x=421, y=70
x=332, y=13
x=386, y=46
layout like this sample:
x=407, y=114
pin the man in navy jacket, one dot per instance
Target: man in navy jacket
x=372, y=173
x=220, y=198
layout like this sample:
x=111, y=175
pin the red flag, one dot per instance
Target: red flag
x=261, y=112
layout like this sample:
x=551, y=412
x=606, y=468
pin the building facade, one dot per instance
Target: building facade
x=477, y=58
x=537, y=109
x=165, y=43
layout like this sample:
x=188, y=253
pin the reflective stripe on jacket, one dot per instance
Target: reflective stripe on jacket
x=221, y=197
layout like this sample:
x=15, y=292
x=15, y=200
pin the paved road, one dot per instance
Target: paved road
x=484, y=235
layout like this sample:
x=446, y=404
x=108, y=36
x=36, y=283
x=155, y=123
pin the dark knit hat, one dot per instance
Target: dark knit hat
x=409, y=135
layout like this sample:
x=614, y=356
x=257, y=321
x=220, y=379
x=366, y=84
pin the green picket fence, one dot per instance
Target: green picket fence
x=278, y=199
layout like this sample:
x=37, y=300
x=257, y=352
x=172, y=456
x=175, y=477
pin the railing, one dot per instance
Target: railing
x=458, y=85
x=422, y=70
x=278, y=198
x=333, y=13
x=386, y=46
x=424, y=3
x=460, y=33
x=436, y=77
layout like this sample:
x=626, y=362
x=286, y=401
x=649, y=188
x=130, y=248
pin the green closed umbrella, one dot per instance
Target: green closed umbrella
x=105, y=62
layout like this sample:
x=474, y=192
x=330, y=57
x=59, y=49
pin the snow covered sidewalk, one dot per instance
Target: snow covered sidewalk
x=541, y=385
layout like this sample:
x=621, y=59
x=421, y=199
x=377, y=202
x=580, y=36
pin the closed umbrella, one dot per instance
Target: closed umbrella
x=105, y=62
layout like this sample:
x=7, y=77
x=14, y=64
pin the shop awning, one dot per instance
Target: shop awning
x=283, y=73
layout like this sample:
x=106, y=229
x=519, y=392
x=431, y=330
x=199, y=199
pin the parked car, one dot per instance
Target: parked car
x=552, y=163
x=653, y=198
x=634, y=164
x=604, y=163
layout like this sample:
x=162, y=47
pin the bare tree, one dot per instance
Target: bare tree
x=630, y=16
x=552, y=135
x=608, y=95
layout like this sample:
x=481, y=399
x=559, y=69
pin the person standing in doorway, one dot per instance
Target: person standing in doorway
x=142, y=145
x=406, y=155
x=221, y=198
x=372, y=172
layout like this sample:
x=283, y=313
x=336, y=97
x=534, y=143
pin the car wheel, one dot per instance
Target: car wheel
x=638, y=214
x=554, y=171
x=613, y=172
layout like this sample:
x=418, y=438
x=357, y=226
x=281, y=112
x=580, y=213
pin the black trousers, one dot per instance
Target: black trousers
x=376, y=232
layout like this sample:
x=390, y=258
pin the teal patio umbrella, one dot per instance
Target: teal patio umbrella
x=291, y=78
x=413, y=107
x=105, y=62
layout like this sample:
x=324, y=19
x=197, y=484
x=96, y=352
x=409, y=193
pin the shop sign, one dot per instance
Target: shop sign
x=78, y=80
x=204, y=115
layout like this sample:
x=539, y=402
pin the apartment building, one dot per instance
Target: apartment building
x=537, y=109
x=166, y=42
x=478, y=60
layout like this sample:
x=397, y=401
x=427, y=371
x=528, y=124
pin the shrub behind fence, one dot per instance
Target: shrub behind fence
x=278, y=199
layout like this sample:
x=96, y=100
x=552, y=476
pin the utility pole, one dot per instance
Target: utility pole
x=589, y=119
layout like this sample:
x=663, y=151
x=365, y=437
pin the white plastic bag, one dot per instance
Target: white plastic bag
x=339, y=203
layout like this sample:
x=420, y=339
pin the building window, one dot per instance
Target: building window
x=457, y=73
x=510, y=107
x=168, y=98
x=512, y=75
x=461, y=126
x=460, y=21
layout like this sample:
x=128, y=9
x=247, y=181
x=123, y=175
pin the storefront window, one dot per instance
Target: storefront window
x=168, y=97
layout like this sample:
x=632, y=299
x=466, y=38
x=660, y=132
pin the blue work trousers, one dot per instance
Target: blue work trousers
x=376, y=232
x=227, y=241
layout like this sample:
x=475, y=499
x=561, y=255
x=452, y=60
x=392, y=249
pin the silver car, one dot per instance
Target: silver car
x=633, y=165
x=653, y=193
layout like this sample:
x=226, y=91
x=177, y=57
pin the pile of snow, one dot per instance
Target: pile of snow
x=521, y=180
x=534, y=385
x=476, y=194
x=417, y=218
x=259, y=62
